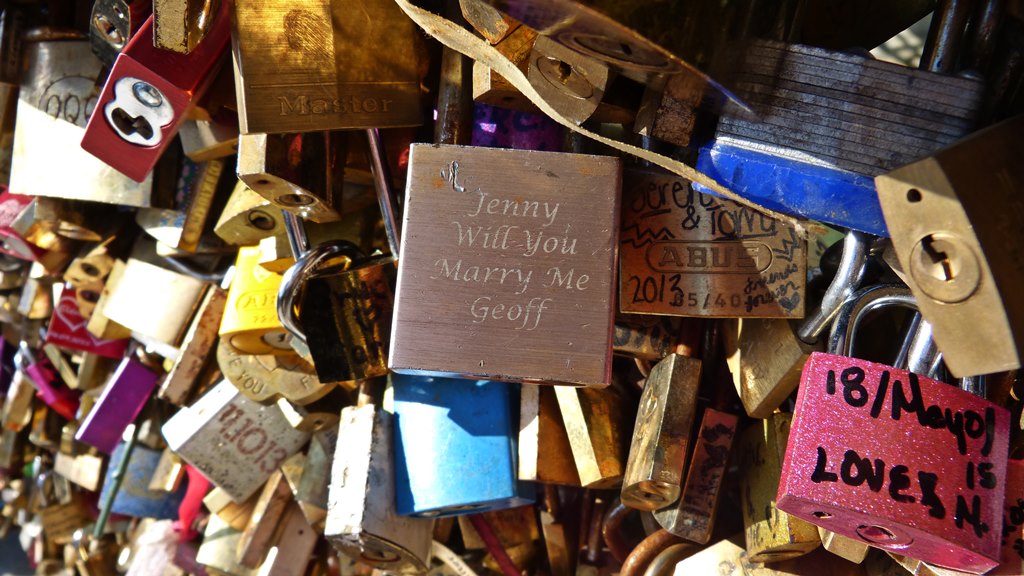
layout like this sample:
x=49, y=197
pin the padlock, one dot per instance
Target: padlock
x=196, y=350
x=147, y=95
x=185, y=228
x=233, y=441
x=692, y=517
x=772, y=352
x=17, y=407
x=99, y=325
x=85, y=470
x=499, y=128
x=266, y=377
x=54, y=105
x=728, y=558
x=345, y=313
x=647, y=338
x=445, y=427
x=772, y=534
x=248, y=218
x=113, y=23
x=597, y=424
x=60, y=517
x=120, y=403
x=661, y=435
x=545, y=453
x=691, y=254
x=217, y=550
x=250, y=324
x=317, y=416
x=49, y=388
x=923, y=512
x=87, y=275
x=668, y=110
x=57, y=219
x=538, y=285
x=67, y=329
x=268, y=511
x=302, y=173
x=152, y=547
x=234, y=514
x=36, y=299
x=812, y=152
x=294, y=541
x=134, y=497
x=311, y=484
x=131, y=299
x=963, y=270
x=361, y=518
x=321, y=67
x=1012, y=536
x=61, y=365
x=181, y=25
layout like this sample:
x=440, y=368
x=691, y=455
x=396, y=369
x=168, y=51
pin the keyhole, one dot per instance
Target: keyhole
x=564, y=71
x=942, y=258
x=108, y=30
x=129, y=124
x=626, y=49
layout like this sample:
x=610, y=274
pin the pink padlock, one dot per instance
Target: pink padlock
x=50, y=390
x=899, y=461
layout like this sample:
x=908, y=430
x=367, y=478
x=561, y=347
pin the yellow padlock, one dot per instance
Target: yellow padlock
x=250, y=324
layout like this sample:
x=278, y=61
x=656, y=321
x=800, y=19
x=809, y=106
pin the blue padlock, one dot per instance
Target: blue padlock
x=455, y=446
x=134, y=498
x=828, y=123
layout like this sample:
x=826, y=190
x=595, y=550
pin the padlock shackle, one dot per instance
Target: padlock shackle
x=295, y=278
x=382, y=181
x=847, y=280
x=918, y=353
x=862, y=302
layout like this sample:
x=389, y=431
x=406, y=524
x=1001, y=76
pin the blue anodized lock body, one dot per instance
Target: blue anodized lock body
x=455, y=446
x=134, y=498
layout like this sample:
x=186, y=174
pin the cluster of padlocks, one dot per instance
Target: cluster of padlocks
x=550, y=287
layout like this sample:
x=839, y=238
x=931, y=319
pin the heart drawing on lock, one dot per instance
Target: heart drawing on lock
x=67, y=312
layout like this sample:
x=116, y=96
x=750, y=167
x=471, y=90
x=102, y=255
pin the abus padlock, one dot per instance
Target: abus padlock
x=54, y=104
x=828, y=123
x=134, y=496
x=690, y=254
x=250, y=324
x=520, y=272
x=957, y=251
x=936, y=496
x=661, y=435
x=147, y=95
x=449, y=428
x=233, y=441
x=67, y=329
x=118, y=405
x=322, y=66
x=361, y=518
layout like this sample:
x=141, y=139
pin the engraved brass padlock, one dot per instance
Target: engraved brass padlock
x=690, y=254
x=506, y=265
x=320, y=66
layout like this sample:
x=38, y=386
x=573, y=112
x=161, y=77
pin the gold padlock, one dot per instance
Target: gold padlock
x=545, y=454
x=321, y=67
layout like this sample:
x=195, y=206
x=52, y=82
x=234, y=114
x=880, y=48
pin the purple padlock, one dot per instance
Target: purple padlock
x=121, y=401
x=501, y=128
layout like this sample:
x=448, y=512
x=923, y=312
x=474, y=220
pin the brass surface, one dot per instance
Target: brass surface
x=196, y=349
x=264, y=377
x=661, y=435
x=248, y=218
x=99, y=324
x=301, y=173
x=842, y=546
x=547, y=306
x=318, y=66
x=686, y=253
x=771, y=534
x=131, y=303
x=594, y=422
x=961, y=256
x=180, y=25
x=545, y=454
x=771, y=357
